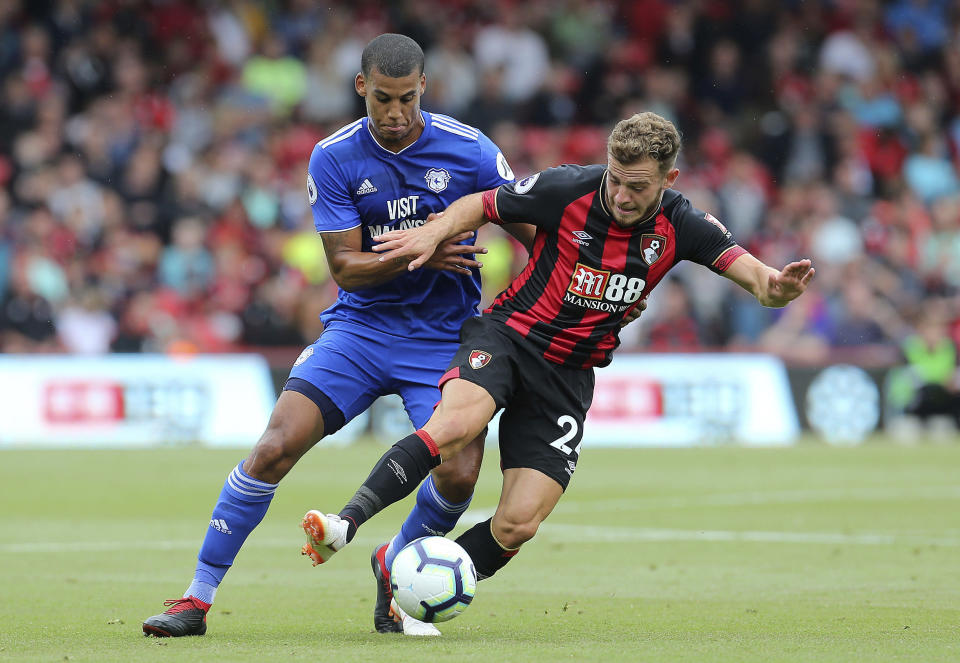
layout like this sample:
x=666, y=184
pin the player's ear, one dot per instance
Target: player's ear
x=423, y=83
x=360, y=83
x=671, y=177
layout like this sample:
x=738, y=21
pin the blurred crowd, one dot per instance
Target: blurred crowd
x=153, y=156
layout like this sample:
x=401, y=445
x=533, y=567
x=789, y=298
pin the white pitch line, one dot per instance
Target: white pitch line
x=553, y=531
x=615, y=534
x=771, y=497
x=140, y=544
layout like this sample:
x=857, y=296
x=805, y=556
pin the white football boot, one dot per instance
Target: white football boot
x=326, y=534
x=412, y=626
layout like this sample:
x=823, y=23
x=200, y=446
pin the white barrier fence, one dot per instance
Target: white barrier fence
x=688, y=399
x=133, y=400
x=225, y=400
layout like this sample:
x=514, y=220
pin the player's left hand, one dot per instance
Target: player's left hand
x=790, y=282
x=634, y=314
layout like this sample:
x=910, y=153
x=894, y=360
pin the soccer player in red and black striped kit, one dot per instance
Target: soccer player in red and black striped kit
x=606, y=235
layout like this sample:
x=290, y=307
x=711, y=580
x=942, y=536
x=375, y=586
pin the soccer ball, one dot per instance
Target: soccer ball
x=433, y=579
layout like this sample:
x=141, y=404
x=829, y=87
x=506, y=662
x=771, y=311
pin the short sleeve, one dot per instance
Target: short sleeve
x=539, y=199
x=494, y=169
x=330, y=200
x=703, y=239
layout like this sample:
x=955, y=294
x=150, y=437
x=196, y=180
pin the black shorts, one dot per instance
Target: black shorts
x=544, y=404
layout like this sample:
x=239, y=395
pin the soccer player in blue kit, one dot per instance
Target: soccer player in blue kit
x=391, y=330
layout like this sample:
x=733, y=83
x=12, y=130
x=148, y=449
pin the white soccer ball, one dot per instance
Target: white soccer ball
x=433, y=579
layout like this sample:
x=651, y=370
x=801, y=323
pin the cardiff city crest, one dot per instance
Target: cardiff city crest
x=437, y=179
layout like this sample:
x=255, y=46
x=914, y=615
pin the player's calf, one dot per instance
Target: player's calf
x=488, y=554
x=398, y=472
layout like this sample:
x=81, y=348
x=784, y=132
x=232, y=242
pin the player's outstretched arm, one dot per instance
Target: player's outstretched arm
x=771, y=287
x=417, y=245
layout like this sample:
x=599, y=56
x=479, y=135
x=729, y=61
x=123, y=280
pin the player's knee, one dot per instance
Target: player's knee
x=456, y=477
x=513, y=530
x=273, y=456
x=266, y=459
x=456, y=482
x=450, y=435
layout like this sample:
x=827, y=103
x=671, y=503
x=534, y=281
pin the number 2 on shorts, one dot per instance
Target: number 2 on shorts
x=560, y=443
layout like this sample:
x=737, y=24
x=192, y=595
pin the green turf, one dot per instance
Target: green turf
x=718, y=554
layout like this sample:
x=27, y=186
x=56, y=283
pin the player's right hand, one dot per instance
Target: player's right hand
x=452, y=256
x=413, y=246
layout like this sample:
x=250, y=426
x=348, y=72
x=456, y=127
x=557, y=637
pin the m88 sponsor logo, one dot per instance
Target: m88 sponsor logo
x=603, y=290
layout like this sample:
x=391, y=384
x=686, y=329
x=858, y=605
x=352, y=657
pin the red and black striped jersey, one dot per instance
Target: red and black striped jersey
x=585, y=272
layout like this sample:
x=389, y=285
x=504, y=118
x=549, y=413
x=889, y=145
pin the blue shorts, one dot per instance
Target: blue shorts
x=352, y=365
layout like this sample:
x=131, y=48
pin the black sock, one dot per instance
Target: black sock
x=486, y=552
x=396, y=474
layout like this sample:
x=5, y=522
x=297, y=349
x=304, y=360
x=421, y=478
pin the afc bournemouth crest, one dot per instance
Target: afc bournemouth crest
x=651, y=247
x=437, y=179
x=479, y=359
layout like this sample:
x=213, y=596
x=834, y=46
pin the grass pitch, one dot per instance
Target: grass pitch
x=716, y=554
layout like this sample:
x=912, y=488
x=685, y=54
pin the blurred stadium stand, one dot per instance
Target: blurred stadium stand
x=152, y=158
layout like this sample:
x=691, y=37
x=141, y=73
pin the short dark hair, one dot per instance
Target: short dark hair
x=392, y=55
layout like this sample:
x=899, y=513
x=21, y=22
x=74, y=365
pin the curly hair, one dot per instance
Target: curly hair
x=645, y=135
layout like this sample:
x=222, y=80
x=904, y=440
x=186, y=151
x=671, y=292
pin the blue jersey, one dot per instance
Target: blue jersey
x=352, y=181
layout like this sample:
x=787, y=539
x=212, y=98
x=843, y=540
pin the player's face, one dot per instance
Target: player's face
x=393, y=106
x=634, y=190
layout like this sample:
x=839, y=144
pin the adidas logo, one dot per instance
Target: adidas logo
x=220, y=525
x=432, y=532
x=366, y=188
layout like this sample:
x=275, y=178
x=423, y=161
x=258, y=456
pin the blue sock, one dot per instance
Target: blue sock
x=432, y=515
x=241, y=506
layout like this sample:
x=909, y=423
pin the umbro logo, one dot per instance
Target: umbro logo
x=581, y=237
x=397, y=469
x=220, y=525
x=366, y=188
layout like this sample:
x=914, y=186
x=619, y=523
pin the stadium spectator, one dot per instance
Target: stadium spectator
x=276, y=75
x=927, y=387
x=512, y=47
x=454, y=78
x=673, y=328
